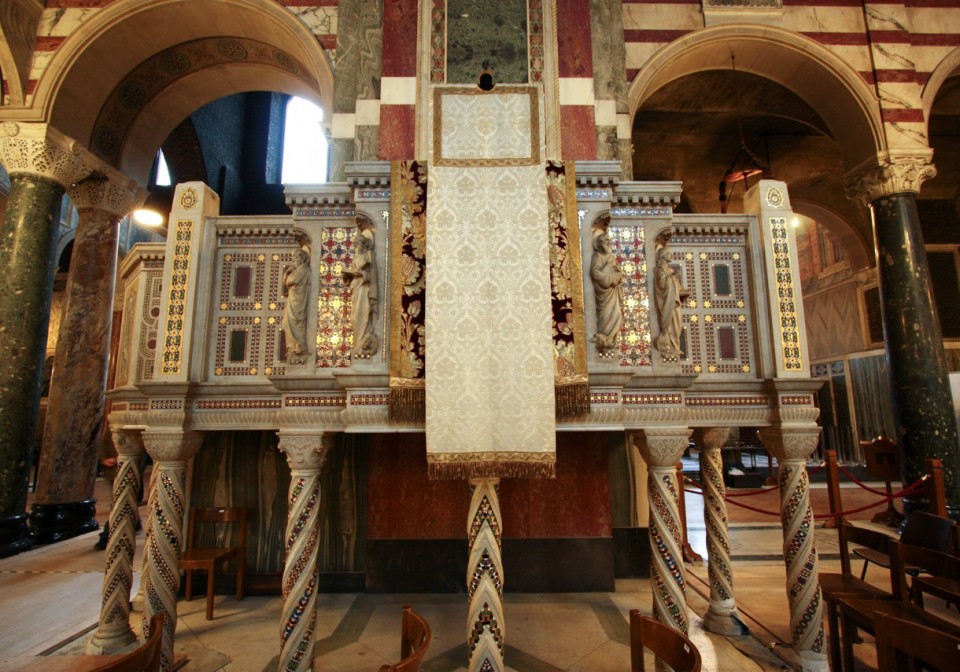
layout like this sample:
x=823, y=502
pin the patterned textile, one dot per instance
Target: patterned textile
x=408, y=180
x=490, y=391
x=569, y=333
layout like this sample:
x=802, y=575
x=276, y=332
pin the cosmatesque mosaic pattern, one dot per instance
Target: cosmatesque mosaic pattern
x=786, y=296
x=485, y=622
x=173, y=331
x=334, y=329
x=627, y=243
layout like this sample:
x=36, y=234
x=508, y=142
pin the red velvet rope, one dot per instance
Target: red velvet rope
x=853, y=478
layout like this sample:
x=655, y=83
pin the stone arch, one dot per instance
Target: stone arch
x=848, y=107
x=859, y=250
x=948, y=66
x=124, y=80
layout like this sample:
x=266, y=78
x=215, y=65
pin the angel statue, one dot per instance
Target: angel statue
x=296, y=279
x=362, y=276
x=607, y=278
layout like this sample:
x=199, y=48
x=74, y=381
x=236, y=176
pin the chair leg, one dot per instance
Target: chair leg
x=188, y=585
x=848, y=631
x=863, y=574
x=210, y=580
x=241, y=577
x=834, y=624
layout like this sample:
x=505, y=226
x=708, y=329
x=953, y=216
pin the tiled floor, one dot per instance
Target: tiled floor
x=49, y=604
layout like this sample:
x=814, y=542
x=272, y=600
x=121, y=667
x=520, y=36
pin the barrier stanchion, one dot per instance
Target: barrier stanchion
x=689, y=555
x=938, y=496
x=833, y=487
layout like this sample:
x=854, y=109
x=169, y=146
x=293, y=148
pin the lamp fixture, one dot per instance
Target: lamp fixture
x=154, y=211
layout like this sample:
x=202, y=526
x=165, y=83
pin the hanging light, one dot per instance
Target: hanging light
x=745, y=163
x=155, y=210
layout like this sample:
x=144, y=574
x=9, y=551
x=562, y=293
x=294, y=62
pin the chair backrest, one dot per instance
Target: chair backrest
x=674, y=648
x=219, y=514
x=927, y=530
x=415, y=638
x=860, y=536
x=882, y=457
x=146, y=657
x=898, y=640
x=930, y=561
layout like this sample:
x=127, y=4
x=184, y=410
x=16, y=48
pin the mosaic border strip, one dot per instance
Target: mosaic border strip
x=177, y=299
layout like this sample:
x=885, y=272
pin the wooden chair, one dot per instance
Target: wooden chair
x=845, y=585
x=921, y=529
x=146, y=658
x=195, y=558
x=861, y=614
x=673, y=647
x=942, y=580
x=415, y=637
x=901, y=643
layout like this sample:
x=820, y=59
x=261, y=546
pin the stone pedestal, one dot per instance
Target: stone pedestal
x=170, y=451
x=114, y=631
x=305, y=454
x=661, y=449
x=721, y=616
x=71, y=439
x=41, y=163
x=486, y=627
x=792, y=447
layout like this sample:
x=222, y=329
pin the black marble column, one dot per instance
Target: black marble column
x=64, y=505
x=921, y=388
x=28, y=240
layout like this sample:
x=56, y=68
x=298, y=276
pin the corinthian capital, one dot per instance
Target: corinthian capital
x=43, y=151
x=107, y=190
x=891, y=172
x=305, y=452
x=661, y=447
x=712, y=438
x=172, y=446
x=790, y=444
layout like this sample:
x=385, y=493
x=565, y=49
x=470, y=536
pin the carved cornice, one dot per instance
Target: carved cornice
x=790, y=444
x=42, y=151
x=305, y=452
x=172, y=446
x=893, y=172
x=107, y=190
x=661, y=446
x=712, y=438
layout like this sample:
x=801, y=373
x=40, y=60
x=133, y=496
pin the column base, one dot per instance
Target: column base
x=811, y=661
x=722, y=619
x=14, y=535
x=50, y=523
x=105, y=643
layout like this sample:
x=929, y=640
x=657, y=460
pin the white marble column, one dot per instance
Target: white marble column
x=170, y=451
x=485, y=621
x=792, y=447
x=721, y=616
x=305, y=455
x=661, y=448
x=114, y=631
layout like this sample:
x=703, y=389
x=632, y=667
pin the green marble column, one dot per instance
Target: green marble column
x=28, y=240
x=64, y=505
x=921, y=388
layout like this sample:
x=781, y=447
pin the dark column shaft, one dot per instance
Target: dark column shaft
x=27, y=264
x=921, y=388
x=65, y=506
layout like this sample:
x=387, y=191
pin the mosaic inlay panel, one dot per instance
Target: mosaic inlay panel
x=717, y=320
x=786, y=296
x=173, y=331
x=149, y=319
x=334, y=329
x=627, y=243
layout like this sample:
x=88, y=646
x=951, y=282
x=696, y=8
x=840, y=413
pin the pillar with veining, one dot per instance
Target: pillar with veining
x=485, y=621
x=113, y=631
x=661, y=448
x=41, y=163
x=922, y=401
x=610, y=84
x=64, y=505
x=792, y=447
x=305, y=455
x=170, y=451
x=721, y=616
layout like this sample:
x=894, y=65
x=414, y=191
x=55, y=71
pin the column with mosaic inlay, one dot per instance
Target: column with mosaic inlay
x=721, y=616
x=42, y=163
x=485, y=620
x=661, y=448
x=114, y=631
x=922, y=401
x=792, y=446
x=170, y=451
x=305, y=455
x=65, y=506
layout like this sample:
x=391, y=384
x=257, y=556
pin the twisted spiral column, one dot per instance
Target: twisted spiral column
x=114, y=631
x=305, y=455
x=137, y=602
x=170, y=452
x=721, y=616
x=660, y=449
x=792, y=447
x=485, y=622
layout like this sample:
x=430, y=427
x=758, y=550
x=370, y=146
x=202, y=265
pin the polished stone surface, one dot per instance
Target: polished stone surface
x=921, y=387
x=481, y=31
x=27, y=264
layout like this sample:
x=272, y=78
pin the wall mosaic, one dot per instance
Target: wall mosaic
x=628, y=246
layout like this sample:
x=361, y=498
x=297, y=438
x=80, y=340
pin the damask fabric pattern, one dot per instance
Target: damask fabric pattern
x=408, y=243
x=490, y=391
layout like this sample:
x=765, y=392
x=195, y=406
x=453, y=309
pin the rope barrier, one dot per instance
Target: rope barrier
x=853, y=478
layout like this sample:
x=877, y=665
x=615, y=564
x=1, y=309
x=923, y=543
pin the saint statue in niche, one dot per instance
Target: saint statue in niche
x=362, y=276
x=669, y=294
x=607, y=278
x=296, y=279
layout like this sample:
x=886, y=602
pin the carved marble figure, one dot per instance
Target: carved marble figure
x=669, y=294
x=362, y=276
x=296, y=279
x=607, y=278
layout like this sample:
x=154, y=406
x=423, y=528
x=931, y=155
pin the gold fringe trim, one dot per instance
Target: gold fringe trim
x=490, y=469
x=408, y=403
x=571, y=398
